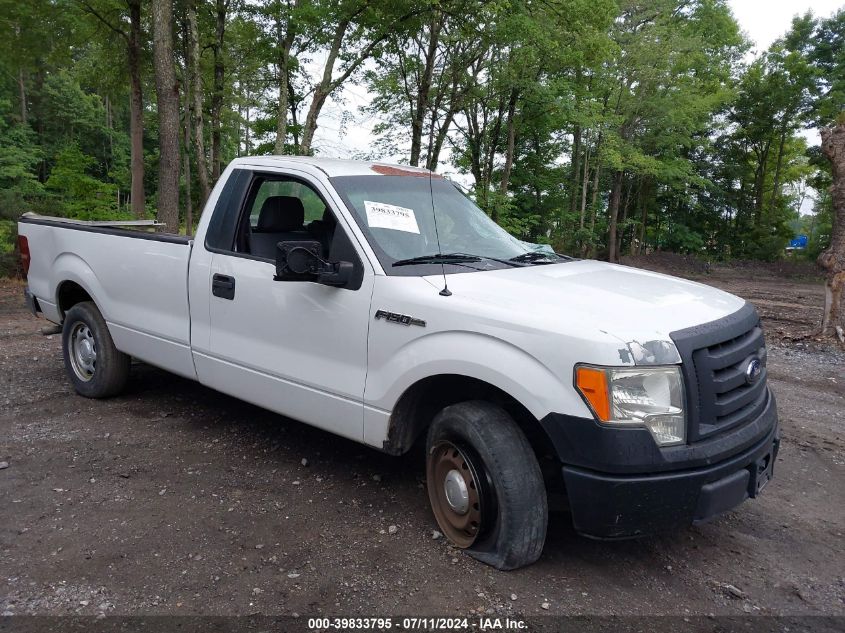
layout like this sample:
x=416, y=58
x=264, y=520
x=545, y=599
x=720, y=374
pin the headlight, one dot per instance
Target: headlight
x=652, y=397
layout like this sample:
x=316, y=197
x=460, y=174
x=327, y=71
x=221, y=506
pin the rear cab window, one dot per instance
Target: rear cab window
x=313, y=205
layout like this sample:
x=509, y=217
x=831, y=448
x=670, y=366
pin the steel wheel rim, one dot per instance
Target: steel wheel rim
x=82, y=352
x=447, y=467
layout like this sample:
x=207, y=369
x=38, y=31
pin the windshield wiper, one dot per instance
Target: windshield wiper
x=438, y=258
x=506, y=262
x=537, y=257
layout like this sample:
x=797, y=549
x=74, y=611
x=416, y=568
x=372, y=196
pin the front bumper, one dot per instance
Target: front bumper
x=622, y=504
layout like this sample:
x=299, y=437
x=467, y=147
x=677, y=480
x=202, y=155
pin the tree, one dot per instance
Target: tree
x=356, y=31
x=286, y=22
x=195, y=107
x=670, y=70
x=597, y=126
x=422, y=79
x=825, y=49
x=136, y=126
x=133, y=38
x=167, y=99
x=221, y=12
x=249, y=48
x=83, y=195
x=833, y=259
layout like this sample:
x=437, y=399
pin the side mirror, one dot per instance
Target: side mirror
x=302, y=260
x=337, y=274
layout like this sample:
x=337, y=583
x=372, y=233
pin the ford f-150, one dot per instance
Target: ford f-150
x=379, y=303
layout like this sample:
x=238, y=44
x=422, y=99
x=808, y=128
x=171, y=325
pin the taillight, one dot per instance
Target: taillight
x=23, y=246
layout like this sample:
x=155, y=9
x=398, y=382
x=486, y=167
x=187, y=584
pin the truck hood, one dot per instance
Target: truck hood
x=627, y=303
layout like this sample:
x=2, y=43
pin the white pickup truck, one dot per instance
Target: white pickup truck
x=379, y=303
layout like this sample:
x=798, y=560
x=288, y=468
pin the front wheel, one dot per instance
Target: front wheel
x=485, y=485
x=94, y=365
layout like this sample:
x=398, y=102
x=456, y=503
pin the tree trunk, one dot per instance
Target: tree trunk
x=238, y=130
x=584, y=179
x=587, y=248
x=186, y=171
x=620, y=235
x=282, y=110
x=577, y=141
x=421, y=105
x=22, y=96
x=322, y=89
x=285, y=45
x=506, y=171
x=217, y=90
x=328, y=84
x=576, y=171
x=613, y=210
x=110, y=128
x=493, y=144
x=187, y=105
x=644, y=216
x=776, y=183
x=196, y=105
x=293, y=104
x=136, y=110
x=760, y=182
x=439, y=139
x=833, y=259
x=310, y=127
x=167, y=99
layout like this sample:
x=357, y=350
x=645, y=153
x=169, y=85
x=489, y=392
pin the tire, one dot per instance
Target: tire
x=93, y=364
x=499, y=514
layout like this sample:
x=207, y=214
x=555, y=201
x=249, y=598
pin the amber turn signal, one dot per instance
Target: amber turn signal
x=592, y=383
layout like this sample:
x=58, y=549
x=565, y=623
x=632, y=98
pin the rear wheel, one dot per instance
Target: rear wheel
x=485, y=485
x=94, y=365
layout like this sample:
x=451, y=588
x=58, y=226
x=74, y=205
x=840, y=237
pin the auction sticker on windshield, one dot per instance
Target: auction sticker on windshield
x=381, y=215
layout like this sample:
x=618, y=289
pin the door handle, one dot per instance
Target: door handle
x=223, y=286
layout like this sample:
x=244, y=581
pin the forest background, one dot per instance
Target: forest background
x=601, y=127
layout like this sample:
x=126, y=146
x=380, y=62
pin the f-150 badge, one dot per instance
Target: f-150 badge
x=402, y=319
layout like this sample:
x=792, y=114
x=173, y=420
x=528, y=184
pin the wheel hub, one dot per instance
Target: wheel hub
x=457, y=494
x=83, y=352
x=86, y=351
x=454, y=489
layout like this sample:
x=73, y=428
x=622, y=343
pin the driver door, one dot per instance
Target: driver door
x=295, y=347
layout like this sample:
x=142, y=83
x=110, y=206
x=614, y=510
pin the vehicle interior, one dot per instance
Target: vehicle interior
x=283, y=210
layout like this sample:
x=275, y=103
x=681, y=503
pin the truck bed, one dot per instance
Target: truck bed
x=138, y=279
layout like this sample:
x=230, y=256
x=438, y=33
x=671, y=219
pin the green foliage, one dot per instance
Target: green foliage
x=825, y=50
x=82, y=195
x=19, y=155
x=541, y=106
x=681, y=239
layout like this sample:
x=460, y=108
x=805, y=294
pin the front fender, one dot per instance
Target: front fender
x=475, y=355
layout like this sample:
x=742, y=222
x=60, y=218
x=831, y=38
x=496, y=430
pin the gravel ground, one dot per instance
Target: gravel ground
x=174, y=499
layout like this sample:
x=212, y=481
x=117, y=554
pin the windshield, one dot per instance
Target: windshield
x=395, y=213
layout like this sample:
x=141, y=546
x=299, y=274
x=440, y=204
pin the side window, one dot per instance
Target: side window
x=223, y=226
x=283, y=209
x=313, y=206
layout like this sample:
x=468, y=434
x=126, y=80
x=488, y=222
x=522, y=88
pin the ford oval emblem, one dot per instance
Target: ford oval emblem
x=753, y=370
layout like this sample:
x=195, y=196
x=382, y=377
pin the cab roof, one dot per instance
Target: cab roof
x=336, y=166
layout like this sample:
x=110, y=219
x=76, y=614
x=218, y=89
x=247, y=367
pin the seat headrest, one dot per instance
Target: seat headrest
x=281, y=214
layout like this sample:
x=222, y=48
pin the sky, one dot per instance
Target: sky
x=766, y=20
x=763, y=21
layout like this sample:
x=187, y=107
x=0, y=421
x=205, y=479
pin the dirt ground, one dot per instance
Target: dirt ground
x=174, y=499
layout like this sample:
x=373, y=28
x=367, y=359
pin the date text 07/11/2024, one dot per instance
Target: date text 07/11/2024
x=417, y=623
